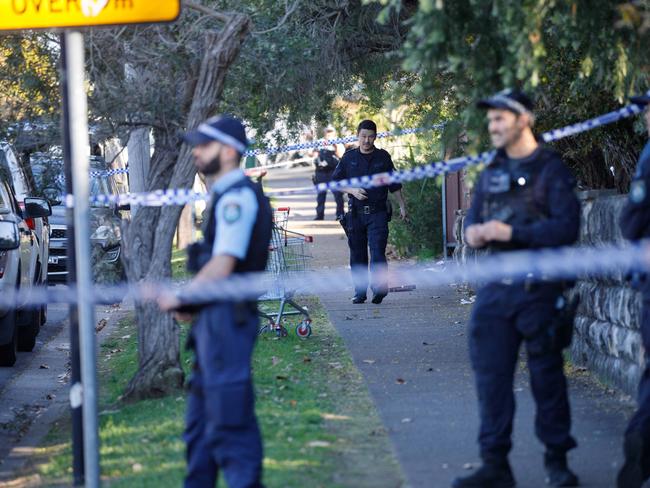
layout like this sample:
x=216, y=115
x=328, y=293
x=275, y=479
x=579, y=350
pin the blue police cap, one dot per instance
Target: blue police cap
x=514, y=100
x=641, y=99
x=225, y=129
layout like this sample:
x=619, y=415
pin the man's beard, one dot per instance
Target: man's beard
x=213, y=167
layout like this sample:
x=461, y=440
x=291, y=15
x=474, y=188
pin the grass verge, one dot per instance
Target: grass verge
x=319, y=425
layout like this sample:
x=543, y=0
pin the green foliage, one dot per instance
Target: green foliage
x=421, y=234
x=580, y=58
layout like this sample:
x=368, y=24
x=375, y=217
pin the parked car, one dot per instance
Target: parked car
x=19, y=270
x=20, y=179
x=105, y=220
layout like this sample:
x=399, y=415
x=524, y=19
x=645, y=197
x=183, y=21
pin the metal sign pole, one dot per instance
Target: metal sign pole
x=79, y=151
x=75, y=362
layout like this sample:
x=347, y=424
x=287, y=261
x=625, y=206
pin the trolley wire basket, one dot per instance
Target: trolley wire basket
x=289, y=254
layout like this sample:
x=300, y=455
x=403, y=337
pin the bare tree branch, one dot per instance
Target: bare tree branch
x=207, y=10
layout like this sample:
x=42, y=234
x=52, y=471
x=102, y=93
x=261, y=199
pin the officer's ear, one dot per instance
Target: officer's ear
x=526, y=119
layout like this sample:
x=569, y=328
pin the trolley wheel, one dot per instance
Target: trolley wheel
x=281, y=331
x=303, y=329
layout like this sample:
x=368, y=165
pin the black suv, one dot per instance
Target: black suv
x=105, y=219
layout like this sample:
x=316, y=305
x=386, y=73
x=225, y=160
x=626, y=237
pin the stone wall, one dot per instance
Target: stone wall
x=607, y=338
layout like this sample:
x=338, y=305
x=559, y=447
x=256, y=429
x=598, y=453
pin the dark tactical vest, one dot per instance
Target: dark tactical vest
x=258, y=247
x=514, y=192
x=328, y=156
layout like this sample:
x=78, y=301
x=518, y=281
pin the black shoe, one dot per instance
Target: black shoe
x=378, y=297
x=557, y=471
x=488, y=476
x=319, y=217
x=356, y=299
x=632, y=474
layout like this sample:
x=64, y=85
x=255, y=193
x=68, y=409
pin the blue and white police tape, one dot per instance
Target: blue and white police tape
x=330, y=142
x=430, y=170
x=541, y=265
x=99, y=174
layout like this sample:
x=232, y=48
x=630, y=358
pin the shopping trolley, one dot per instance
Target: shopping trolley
x=289, y=254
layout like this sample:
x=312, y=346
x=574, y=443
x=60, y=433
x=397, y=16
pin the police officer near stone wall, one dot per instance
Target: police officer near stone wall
x=221, y=428
x=524, y=199
x=367, y=219
x=327, y=158
x=635, y=224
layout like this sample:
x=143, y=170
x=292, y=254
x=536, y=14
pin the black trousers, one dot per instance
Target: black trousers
x=503, y=317
x=326, y=177
x=368, y=232
x=640, y=422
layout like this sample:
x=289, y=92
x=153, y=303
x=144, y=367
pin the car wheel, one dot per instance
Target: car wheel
x=31, y=326
x=9, y=351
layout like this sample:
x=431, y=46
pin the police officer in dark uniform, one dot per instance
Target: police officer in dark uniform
x=524, y=199
x=367, y=220
x=221, y=429
x=635, y=224
x=326, y=160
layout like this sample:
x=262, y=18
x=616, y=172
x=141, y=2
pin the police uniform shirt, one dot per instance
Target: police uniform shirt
x=235, y=216
x=635, y=216
x=355, y=164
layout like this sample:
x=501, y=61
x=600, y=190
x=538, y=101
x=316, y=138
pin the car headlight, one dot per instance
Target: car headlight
x=107, y=235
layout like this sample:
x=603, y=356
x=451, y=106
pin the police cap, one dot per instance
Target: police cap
x=641, y=99
x=513, y=100
x=225, y=129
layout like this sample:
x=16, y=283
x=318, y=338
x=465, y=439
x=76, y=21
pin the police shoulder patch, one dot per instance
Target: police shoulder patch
x=231, y=212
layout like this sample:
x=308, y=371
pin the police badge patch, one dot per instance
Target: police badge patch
x=231, y=212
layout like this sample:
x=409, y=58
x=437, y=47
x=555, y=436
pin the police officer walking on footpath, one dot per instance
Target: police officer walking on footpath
x=327, y=158
x=524, y=199
x=221, y=430
x=635, y=224
x=367, y=220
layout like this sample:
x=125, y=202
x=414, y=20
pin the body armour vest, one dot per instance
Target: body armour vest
x=258, y=246
x=515, y=192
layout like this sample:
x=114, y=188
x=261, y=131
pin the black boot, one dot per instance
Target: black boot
x=490, y=475
x=636, y=468
x=557, y=470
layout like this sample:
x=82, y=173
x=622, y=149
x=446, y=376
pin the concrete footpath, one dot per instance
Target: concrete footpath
x=412, y=351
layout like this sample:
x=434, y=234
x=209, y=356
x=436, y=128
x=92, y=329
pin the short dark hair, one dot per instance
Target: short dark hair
x=368, y=125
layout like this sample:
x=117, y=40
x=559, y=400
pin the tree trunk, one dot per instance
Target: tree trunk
x=139, y=158
x=149, y=236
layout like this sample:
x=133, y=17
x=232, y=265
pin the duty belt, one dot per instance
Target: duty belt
x=369, y=209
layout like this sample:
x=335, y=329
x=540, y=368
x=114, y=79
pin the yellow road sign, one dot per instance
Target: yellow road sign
x=44, y=14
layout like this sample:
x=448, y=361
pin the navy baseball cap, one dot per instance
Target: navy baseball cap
x=225, y=129
x=514, y=100
x=641, y=99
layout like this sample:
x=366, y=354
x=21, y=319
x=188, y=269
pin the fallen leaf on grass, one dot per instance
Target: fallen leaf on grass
x=306, y=359
x=100, y=325
x=280, y=377
x=137, y=467
x=335, y=365
x=275, y=360
x=318, y=444
x=293, y=403
x=128, y=336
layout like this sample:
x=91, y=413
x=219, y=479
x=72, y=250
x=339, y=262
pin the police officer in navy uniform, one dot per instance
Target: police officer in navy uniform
x=367, y=219
x=327, y=158
x=635, y=224
x=221, y=428
x=524, y=199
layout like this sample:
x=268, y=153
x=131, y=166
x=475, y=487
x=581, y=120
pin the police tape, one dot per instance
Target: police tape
x=330, y=142
x=543, y=265
x=430, y=170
